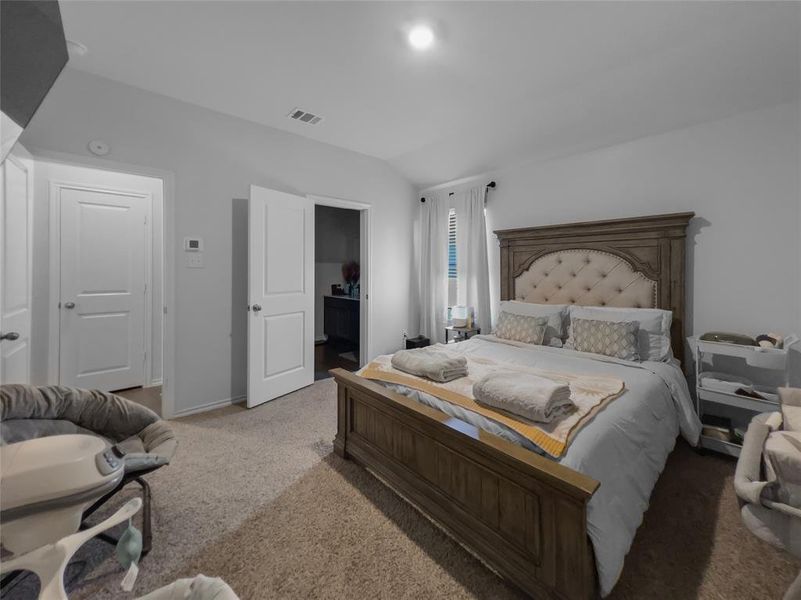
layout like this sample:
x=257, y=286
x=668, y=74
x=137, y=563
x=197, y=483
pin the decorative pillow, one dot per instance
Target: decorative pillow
x=790, y=399
x=609, y=338
x=782, y=459
x=653, y=337
x=555, y=313
x=520, y=328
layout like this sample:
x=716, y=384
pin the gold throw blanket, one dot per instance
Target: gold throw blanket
x=590, y=393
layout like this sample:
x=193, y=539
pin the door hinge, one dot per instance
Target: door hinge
x=145, y=219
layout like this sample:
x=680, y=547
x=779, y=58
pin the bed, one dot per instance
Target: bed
x=554, y=528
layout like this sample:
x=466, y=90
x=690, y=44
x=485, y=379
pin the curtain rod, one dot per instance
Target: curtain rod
x=491, y=184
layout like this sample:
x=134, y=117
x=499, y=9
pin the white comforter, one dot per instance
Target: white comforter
x=624, y=447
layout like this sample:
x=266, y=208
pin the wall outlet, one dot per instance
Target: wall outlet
x=193, y=260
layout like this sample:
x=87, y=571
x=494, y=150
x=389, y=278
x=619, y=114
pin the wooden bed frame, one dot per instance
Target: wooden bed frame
x=523, y=515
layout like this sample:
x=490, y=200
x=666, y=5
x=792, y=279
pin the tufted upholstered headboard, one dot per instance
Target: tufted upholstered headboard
x=637, y=262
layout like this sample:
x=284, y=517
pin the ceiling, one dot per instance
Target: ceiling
x=505, y=81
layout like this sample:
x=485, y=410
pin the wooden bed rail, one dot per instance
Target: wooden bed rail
x=524, y=515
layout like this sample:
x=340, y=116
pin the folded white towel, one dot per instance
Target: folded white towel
x=524, y=394
x=430, y=363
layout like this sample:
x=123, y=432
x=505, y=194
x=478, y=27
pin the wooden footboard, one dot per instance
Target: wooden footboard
x=524, y=515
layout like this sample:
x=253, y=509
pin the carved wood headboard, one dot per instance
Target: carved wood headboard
x=636, y=263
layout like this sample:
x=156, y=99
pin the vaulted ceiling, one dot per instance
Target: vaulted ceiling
x=505, y=81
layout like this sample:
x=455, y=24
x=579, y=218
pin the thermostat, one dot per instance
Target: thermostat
x=193, y=244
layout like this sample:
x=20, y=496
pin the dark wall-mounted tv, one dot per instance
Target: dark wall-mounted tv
x=33, y=51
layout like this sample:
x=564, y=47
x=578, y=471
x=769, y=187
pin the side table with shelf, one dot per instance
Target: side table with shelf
x=459, y=334
x=774, y=359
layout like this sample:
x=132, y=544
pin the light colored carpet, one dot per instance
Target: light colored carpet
x=256, y=497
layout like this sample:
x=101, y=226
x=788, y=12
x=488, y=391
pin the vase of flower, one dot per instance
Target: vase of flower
x=351, y=273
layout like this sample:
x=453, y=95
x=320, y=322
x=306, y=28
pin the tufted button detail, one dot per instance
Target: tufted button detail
x=602, y=303
x=638, y=305
x=558, y=286
x=572, y=301
x=545, y=299
x=619, y=290
x=587, y=289
x=572, y=274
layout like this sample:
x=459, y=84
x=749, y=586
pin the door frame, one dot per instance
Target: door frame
x=168, y=254
x=365, y=280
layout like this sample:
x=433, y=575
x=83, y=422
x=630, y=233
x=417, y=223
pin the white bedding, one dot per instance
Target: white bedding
x=624, y=447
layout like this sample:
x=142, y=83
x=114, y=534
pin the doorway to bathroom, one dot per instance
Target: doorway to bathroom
x=337, y=287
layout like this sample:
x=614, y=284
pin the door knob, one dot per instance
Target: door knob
x=69, y=305
x=10, y=336
x=256, y=307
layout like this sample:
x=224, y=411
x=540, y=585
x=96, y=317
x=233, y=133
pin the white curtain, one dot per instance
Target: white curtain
x=471, y=255
x=433, y=267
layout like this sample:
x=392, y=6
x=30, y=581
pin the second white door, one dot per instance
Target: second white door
x=281, y=291
x=103, y=243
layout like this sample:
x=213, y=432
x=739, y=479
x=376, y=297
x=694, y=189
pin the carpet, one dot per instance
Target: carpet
x=256, y=497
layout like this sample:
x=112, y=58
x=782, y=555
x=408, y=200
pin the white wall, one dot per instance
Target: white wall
x=336, y=241
x=741, y=177
x=44, y=298
x=214, y=159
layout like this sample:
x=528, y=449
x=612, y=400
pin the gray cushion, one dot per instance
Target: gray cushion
x=28, y=412
x=20, y=430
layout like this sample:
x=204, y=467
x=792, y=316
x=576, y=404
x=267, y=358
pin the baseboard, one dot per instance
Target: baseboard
x=208, y=406
x=154, y=383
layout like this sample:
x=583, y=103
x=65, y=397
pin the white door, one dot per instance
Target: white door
x=103, y=242
x=16, y=211
x=281, y=294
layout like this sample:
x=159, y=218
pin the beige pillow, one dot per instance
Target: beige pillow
x=782, y=457
x=521, y=328
x=555, y=313
x=791, y=408
x=610, y=338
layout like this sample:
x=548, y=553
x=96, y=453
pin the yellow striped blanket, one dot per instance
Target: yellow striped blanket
x=590, y=393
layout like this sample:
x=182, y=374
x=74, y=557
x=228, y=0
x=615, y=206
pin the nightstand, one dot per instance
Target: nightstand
x=460, y=334
x=417, y=342
x=718, y=403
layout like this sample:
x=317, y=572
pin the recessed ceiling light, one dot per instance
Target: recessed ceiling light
x=421, y=37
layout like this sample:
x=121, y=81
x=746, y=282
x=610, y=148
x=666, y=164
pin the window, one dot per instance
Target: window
x=452, y=273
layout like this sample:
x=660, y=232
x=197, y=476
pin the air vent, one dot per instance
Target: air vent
x=304, y=117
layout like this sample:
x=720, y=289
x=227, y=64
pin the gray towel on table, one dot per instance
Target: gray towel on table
x=524, y=394
x=430, y=363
